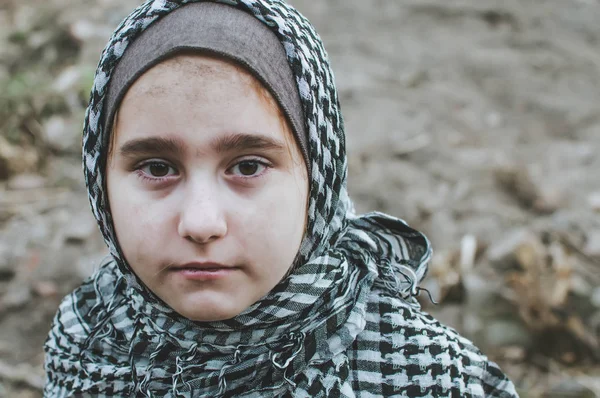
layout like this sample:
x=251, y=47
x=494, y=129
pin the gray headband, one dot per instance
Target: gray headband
x=219, y=30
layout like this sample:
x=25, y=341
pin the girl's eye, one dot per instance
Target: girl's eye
x=157, y=169
x=248, y=168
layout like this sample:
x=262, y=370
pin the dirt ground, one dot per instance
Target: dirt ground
x=476, y=121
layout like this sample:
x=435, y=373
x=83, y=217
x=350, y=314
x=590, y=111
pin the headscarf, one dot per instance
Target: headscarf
x=220, y=31
x=344, y=323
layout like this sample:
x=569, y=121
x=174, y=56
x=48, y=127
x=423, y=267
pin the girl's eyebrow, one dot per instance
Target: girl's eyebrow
x=175, y=146
x=152, y=145
x=239, y=141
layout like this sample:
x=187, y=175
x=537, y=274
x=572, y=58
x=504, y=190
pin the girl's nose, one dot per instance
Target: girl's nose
x=201, y=218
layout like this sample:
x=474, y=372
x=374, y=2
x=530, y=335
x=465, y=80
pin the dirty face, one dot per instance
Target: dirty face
x=207, y=187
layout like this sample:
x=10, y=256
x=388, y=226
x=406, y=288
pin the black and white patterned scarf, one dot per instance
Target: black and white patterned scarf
x=344, y=323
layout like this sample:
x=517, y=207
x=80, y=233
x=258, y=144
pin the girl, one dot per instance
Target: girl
x=215, y=163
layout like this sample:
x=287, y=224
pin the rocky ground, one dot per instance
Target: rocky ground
x=476, y=121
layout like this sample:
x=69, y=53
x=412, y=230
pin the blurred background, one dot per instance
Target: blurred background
x=478, y=122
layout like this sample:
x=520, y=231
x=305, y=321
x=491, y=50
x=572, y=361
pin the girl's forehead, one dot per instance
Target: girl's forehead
x=200, y=101
x=182, y=70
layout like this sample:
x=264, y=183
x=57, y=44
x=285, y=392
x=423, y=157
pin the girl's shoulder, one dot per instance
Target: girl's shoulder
x=82, y=319
x=417, y=351
x=85, y=307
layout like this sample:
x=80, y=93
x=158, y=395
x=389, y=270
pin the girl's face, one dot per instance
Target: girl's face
x=208, y=189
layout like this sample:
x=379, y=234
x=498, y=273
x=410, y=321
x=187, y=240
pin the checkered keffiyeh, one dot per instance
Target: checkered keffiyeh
x=344, y=323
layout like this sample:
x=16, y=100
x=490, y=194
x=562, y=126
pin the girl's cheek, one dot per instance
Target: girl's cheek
x=140, y=222
x=149, y=237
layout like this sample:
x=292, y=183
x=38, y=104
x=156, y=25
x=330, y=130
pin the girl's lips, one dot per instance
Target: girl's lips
x=205, y=265
x=203, y=271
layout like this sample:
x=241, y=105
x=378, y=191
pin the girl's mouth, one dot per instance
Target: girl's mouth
x=200, y=269
x=203, y=271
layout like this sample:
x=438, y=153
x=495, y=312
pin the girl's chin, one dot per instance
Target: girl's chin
x=210, y=307
x=213, y=315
